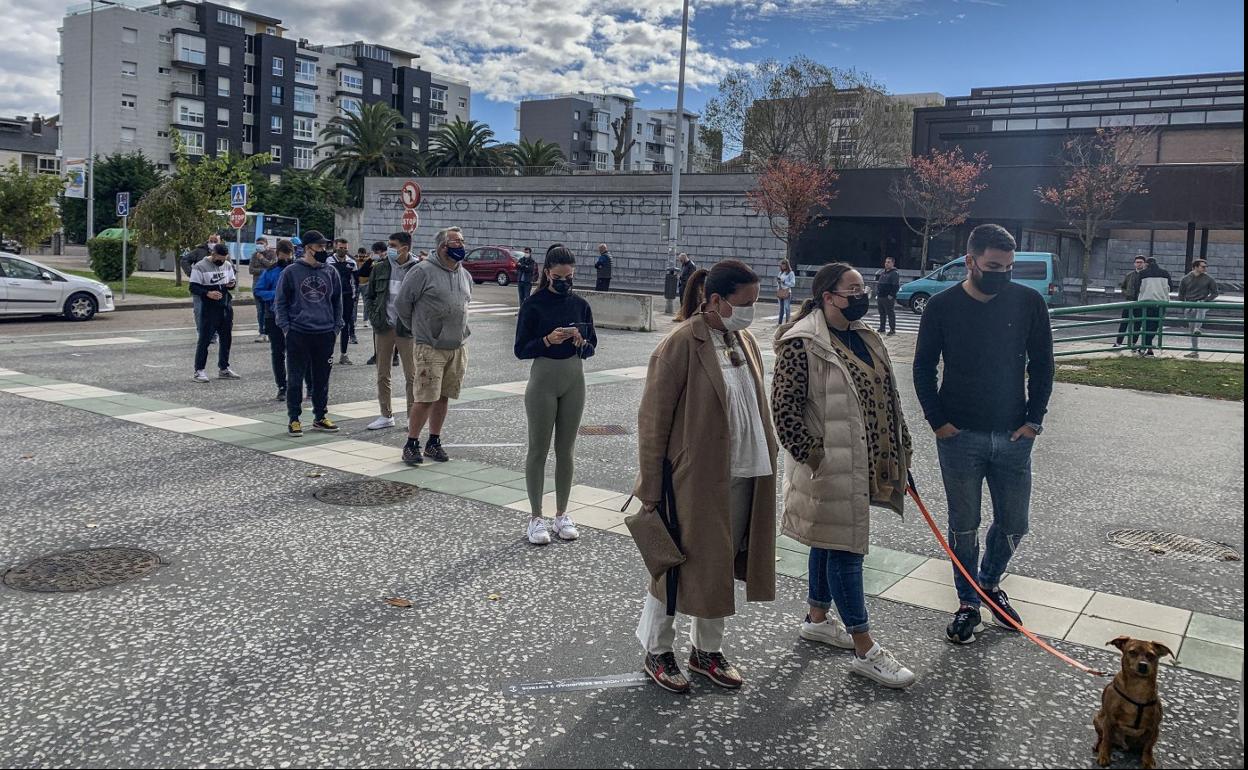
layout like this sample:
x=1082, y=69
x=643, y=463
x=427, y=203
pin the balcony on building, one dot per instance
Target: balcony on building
x=187, y=88
x=189, y=50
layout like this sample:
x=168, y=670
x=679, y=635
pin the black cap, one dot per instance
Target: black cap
x=313, y=237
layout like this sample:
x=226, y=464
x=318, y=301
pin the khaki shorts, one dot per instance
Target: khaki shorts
x=439, y=373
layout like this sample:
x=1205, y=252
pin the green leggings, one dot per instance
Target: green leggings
x=554, y=401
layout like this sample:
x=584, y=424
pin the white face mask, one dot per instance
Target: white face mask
x=740, y=319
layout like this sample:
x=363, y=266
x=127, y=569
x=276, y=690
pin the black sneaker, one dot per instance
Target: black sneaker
x=966, y=623
x=665, y=673
x=372, y=360
x=1001, y=600
x=354, y=341
x=411, y=454
x=434, y=451
x=281, y=395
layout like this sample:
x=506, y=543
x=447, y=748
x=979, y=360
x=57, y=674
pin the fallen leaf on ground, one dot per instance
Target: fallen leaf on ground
x=1156, y=550
x=493, y=597
x=399, y=601
x=92, y=524
x=314, y=474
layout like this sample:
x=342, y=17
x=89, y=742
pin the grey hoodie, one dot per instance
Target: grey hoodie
x=433, y=303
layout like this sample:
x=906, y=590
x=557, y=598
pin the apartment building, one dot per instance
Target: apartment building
x=228, y=80
x=30, y=143
x=583, y=125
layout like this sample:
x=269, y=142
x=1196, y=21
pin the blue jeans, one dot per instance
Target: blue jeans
x=262, y=307
x=785, y=306
x=836, y=577
x=966, y=461
x=523, y=289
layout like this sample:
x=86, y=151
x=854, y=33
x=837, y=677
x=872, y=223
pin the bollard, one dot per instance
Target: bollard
x=669, y=290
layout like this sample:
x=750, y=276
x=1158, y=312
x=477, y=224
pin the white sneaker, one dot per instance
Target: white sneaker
x=881, y=666
x=381, y=422
x=200, y=376
x=831, y=632
x=228, y=374
x=538, y=533
x=565, y=528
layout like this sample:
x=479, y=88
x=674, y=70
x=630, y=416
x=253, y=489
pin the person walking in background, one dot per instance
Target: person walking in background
x=348, y=280
x=261, y=259
x=391, y=339
x=1154, y=287
x=687, y=269
x=887, y=284
x=994, y=338
x=704, y=431
x=212, y=278
x=307, y=308
x=786, y=281
x=555, y=329
x=526, y=266
x=433, y=303
x=1130, y=326
x=1197, y=286
x=603, y=267
x=838, y=417
x=265, y=287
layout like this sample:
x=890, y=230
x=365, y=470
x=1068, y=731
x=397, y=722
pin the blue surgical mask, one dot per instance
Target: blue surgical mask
x=456, y=253
x=392, y=253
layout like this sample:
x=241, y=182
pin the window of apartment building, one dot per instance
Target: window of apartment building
x=301, y=157
x=270, y=30
x=437, y=120
x=223, y=86
x=127, y=135
x=576, y=136
x=249, y=103
x=223, y=146
x=164, y=37
x=49, y=166
x=229, y=17
x=129, y=102
x=162, y=134
x=162, y=71
x=190, y=48
x=349, y=105
x=223, y=54
x=279, y=67
x=576, y=156
x=301, y=128
x=275, y=124
x=305, y=71
x=576, y=114
x=275, y=152
x=416, y=95
x=305, y=100
x=162, y=166
x=190, y=112
x=249, y=43
x=350, y=80
x=277, y=94
x=638, y=129
x=223, y=117
x=463, y=103
x=129, y=35
x=129, y=69
x=376, y=86
x=437, y=98
x=249, y=73
x=415, y=122
x=247, y=134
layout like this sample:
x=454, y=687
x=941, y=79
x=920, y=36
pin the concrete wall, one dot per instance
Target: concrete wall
x=626, y=212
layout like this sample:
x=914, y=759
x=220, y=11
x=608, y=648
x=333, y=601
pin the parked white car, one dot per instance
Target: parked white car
x=28, y=287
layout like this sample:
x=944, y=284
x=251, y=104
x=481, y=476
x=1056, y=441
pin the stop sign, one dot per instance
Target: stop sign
x=411, y=220
x=238, y=217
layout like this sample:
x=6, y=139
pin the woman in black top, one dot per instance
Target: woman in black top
x=556, y=330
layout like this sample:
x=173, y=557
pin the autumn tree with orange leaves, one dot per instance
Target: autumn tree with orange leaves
x=1099, y=172
x=938, y=192
x=788, y=192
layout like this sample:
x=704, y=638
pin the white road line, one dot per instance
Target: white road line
x=93, y=343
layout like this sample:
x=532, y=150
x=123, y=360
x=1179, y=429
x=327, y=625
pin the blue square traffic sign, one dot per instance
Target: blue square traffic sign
x=123, y=204
x=238, y=196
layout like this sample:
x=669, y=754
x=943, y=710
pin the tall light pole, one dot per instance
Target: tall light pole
x=91, y=126
x=673, y=223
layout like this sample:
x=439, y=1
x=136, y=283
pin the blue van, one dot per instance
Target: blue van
x=1039, y=270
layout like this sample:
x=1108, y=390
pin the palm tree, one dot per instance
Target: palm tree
x=536, y=157
x=372, y=142
x=467, y=149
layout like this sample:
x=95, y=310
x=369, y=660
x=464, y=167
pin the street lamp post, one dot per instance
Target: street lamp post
x=91, y=126
x=673, y=226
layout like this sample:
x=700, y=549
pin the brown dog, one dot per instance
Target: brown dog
x=1130, y=715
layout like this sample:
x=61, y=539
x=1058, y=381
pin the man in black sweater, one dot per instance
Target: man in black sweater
x=887, y=284
x=997, y=346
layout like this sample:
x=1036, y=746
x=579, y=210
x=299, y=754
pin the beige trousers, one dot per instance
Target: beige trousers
x=384, y=345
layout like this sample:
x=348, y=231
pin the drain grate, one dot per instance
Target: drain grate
x=603, y=430
x=82, y=570
x=367, y=492
x=1169, y=544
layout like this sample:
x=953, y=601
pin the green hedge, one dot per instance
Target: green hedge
x=106, y=259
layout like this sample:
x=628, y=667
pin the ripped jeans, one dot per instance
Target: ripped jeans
x=967, y=460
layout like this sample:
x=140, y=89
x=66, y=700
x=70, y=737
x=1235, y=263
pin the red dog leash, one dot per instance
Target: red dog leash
x=940, y=538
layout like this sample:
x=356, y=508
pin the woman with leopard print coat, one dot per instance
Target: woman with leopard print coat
x=838, y=417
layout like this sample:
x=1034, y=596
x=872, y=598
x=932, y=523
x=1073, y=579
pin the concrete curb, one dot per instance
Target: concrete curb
x=171, y=305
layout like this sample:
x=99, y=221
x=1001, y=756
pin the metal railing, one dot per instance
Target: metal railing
x=1142, y=326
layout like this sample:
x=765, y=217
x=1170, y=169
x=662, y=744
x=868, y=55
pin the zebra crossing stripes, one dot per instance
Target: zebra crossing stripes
x=907, y=323
x=491, y=309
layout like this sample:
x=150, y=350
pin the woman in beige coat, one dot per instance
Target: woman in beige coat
x=838, y=417
x=704, y=409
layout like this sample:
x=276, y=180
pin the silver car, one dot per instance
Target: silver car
x=28, y=287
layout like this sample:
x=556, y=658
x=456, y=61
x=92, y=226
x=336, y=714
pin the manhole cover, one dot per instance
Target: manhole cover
x=82, y=570
x=603, y=430
x=1170, y=544
x=367, y=492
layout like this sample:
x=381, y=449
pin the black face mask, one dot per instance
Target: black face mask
x=991, y=283
x=218, y=262
x=561, y=285
x=857, y=308
x=320, y=256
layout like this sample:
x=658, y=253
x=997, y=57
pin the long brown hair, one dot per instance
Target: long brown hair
x=723, y=279
x=825, y=280
x=557, y=254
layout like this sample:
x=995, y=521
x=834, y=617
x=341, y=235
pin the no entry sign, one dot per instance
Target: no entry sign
x=238, y=217
x=411, y=220
x=410, y=194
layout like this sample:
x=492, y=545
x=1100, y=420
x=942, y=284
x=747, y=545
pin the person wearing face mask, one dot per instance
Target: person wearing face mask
x=555, y=329
x=212, y=278
x=348, y=282
x=265, y=288
x=704, y=433
x=391, y=338
x=433, y=303
x=189, y=260
x=307, y=308
x=838, y=416
x=994, y=338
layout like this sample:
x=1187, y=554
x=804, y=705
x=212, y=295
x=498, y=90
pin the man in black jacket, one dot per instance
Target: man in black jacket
x=1130, y=293
x=687, y=269
x=603, y=267
x=887, y=283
